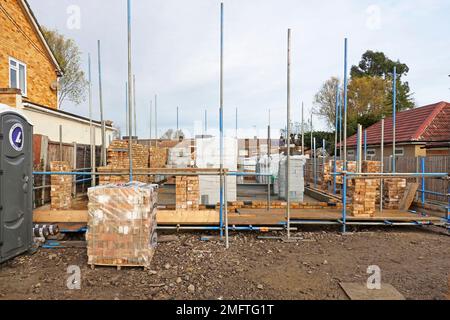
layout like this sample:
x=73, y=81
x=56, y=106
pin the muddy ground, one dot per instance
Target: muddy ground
x=415, y=261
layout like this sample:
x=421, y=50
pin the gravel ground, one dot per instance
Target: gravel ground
x=414, y=261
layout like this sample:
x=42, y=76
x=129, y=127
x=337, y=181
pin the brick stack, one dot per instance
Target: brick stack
x=122, y=225
x=394, y=190
x=187, y=193
x=351, y=167
x=118, y=155
x=61, y=186
x=118, y=160
x=157, y=157
x=327, y=171
x=371, y=166
x=364, y=197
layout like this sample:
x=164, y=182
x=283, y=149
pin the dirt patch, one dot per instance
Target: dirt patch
x=414, y=261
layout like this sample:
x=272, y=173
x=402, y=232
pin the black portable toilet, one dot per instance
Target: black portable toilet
x=16, y=164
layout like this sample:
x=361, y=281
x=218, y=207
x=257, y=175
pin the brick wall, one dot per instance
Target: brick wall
x=61, y=186
x=187, y=193
x=11, y=97
x=19, y=40
x=394, y=190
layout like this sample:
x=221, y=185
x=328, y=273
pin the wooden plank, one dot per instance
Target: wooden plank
x=62, y=216
x=408, y=197
x=257, y=217
x=359, y=291
x=196, y=217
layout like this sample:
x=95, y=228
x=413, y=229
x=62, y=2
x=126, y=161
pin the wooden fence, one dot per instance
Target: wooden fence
x=433, y=164
x=77, y=155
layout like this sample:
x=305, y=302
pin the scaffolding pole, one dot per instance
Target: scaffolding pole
x=91, y=126
x=336, y=136
x=303, y=129
x=156, y=118
x=221, y=119
x=394, y=117
x=130, y=93
x=288, y=138
x=126, y=107
x=100, y=92
x=382, y=165
x=134, y=106
x=345, y=102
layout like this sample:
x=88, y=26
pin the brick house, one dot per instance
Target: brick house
x=29, y=74
x=421, y=131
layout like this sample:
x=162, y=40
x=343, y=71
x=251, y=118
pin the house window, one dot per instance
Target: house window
x=399, y=152
x=350, y=153
x=18, y=75
x=371, y=153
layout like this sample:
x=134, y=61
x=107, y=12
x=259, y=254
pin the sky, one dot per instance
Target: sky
x=176, y=55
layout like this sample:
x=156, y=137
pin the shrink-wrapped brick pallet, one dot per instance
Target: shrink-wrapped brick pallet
x=61, y=186
x=122, y=225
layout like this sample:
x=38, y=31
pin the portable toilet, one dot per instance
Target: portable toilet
x=16, y=186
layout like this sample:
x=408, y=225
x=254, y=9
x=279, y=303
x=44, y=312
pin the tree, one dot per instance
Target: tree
x=377, y=64
x=368, y=102
x=73, y=84
x=325, y=101
x=172, y=134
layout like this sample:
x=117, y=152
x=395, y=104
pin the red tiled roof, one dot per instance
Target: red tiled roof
x=424, y=124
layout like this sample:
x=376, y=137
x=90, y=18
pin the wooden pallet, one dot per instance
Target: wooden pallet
x=119, y=267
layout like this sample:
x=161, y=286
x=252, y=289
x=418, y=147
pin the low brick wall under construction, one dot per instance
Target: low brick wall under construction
x=61, y=186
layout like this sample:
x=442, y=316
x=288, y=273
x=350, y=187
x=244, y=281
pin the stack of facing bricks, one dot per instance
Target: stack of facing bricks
x=122, y=225
x=394, y=190
x=118, y=160
x=118, y=155
x=61, y=186
x=364, y=192
x=373, y=167
x=157, y=157
x=187, y=193
x=364, y=197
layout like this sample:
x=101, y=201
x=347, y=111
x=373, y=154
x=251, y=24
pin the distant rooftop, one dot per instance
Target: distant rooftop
x=425, y=124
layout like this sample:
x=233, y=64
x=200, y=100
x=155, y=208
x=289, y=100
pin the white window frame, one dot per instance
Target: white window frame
x=373, y=151
x=402, y=152
x=17, y=70
x=350, y=153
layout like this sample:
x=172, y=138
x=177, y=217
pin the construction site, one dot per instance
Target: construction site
x=222, y=217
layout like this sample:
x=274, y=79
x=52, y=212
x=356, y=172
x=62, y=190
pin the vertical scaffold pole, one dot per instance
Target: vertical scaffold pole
x=336, y=129
x=221, y=120
x=288, y=138
x=134, y=106
x=345, y=102
x=323, y=159
x=91, y=126
x=344, y=203
x=227, y=240
x=394, y=117
x=422, y=168
x=303, y=129
x=100, y=93
x=382, y=165
x=315, y=163
x=130, y=93
x=156, y=119
x=365, y=145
